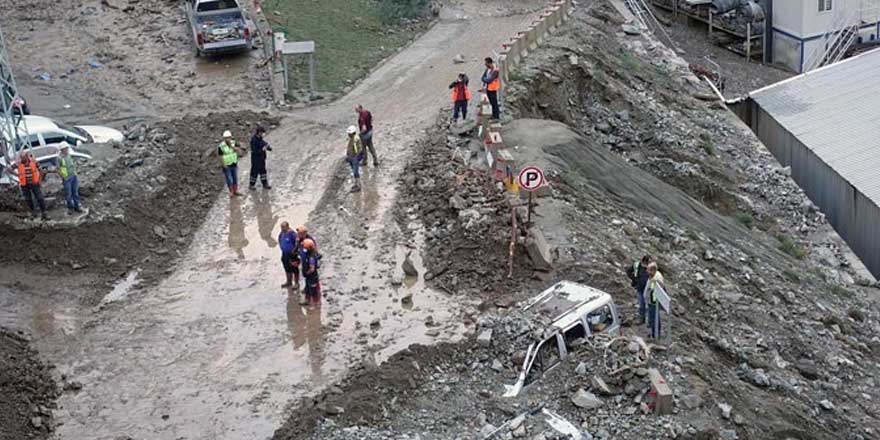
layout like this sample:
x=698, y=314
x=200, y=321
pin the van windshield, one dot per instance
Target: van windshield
x=75, y=130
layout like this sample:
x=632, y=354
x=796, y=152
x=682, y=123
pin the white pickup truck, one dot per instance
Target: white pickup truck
x=218, y=26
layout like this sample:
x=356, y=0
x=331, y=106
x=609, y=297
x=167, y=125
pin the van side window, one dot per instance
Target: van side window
x=600, y=319
x=548, y=354
x=54, y=138
x=574, y=336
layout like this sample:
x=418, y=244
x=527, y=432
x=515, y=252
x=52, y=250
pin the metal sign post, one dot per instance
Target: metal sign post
x=665, y=303
x=301, y=48
x=530, y=179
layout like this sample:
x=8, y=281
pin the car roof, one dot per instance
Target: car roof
x=565, y=302
x=36, y=124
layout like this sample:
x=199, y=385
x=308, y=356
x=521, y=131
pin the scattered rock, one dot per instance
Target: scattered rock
x=725, y=410
x=485, y=337
x=586, y=400
x=408, y=267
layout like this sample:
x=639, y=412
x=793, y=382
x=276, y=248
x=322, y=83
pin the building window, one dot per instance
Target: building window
x=824, y=5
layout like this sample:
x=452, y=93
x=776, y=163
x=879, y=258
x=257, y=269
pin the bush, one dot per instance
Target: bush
x=707, y=144
x=790, y=247
x=791, y=276
x=745, y=219
x=393, y=11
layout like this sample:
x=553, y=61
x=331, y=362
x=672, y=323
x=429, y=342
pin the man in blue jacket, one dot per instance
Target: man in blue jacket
x=289, y=258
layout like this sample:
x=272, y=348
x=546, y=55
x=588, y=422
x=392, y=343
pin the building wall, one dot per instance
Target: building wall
x=852, y=215
x=787, y=51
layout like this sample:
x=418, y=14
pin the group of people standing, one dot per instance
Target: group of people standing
x=300, y=258
x=360, y=142
x=461, y=94
x=647, y=280
x=230, y=151
x=31, y=175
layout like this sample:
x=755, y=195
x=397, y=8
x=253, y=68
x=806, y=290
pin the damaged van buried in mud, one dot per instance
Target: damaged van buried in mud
x=569, y=312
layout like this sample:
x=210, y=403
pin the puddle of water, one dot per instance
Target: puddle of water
x=45, y=319
x=122, y=288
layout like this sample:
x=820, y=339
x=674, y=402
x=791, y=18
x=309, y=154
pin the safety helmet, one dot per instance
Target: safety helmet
x=227, y=134
x=302, y=229
x=352, y=129
x=63, y=145
x=308, y=243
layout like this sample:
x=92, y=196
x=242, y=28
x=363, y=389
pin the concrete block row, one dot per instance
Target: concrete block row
x=514, y=51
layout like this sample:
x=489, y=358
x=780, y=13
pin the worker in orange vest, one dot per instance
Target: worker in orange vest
x=29, y=180
x=461, y=94
x=491, y=85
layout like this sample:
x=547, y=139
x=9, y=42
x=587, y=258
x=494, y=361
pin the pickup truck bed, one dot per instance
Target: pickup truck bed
x=217, y=27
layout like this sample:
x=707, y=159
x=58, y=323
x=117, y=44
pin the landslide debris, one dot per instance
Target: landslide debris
x=27, y=391
x=766, y=342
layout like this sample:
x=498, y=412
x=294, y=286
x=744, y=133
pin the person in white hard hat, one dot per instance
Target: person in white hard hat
x=229, y=151
x=67, y=171
x=354, y=154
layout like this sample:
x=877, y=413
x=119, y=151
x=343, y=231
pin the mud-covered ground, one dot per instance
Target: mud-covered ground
x=772, y=335
x=150, y=198
x=23, y=376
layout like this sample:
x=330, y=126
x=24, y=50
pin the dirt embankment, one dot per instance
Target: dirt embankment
x=27, y=389
x=150, y=199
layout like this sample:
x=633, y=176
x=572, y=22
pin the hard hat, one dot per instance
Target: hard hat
x=302, y=229
x=63, y=145
x=352, y=129
x=227, y=134
x=308, y=243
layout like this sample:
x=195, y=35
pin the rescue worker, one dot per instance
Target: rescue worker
x=287, y=241
x=310, y=272
x=259, y=147
x=638, y=275
x=29, y=180
x=229, y=152
x=365, y=126
x=354, y=153
x=67, y=171
x=491, y=85
x=655, y=280
x=461, y=94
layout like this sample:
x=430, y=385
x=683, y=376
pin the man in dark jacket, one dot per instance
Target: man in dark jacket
x=638, y=275
x=259, y=147
x=287, y=241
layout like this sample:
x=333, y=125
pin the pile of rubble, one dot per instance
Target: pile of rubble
x=27, y=388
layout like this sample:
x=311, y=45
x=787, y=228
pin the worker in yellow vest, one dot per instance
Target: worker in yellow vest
x=491, y=85
x=655, y=282
x=67, y=170
x=229, y=151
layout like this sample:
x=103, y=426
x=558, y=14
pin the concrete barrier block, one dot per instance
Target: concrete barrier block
x=523, y=44
x=532, y=37
x=661, y=392
x=505, y=67
x=540, y=30
x=539, y=250
x=555, y=18
x=495, y=137
x=515, y=50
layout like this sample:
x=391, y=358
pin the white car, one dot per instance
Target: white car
x=43, y=132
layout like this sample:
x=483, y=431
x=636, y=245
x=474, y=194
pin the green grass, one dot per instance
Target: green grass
x=707, y=144
x=791, y=276
x=630, y=62
x=745, y=219
x=515, y=75
x=351, y=36
x=842, y=292
x=790, y=247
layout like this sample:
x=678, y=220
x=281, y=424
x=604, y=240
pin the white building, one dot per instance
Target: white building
x=804, y=30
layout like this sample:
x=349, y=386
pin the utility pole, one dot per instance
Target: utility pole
x=13, y=130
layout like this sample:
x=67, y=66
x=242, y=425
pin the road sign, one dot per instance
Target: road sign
x=663, y=298
x=531, y=178
x=298, y=47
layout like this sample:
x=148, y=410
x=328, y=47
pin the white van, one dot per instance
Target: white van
x=570, y=311
x=43, y=132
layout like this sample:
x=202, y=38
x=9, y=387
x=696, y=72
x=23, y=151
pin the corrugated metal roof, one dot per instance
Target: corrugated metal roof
x=833, y=111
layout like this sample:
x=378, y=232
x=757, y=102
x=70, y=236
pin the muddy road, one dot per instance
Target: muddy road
x=218, y=350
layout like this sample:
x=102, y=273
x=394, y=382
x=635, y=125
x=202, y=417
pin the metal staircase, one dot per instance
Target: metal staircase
x=646, y=20
x=843, y=32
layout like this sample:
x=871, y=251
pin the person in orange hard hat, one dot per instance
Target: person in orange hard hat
x=310, y=265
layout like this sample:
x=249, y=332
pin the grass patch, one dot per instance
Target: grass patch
x=630, y=62
x=842, y=292
x=707, y=145
x=789, y=246
x=515, y=75
x=351, y=36
x=745, y=219
x=792, y=276
x=599, y=74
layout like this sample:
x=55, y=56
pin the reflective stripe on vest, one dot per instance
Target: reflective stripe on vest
x=229, y=156
x=63, y=169
x=496, y=83
x=22, y=173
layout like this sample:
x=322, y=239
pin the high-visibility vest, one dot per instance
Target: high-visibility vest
x=456, y=96
x=653, y=282
x=496, y=83
x=228, y=155
x=63, y=170
x=22, y=175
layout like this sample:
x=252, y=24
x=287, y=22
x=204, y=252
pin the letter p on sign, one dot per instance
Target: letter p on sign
x=531, y=178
